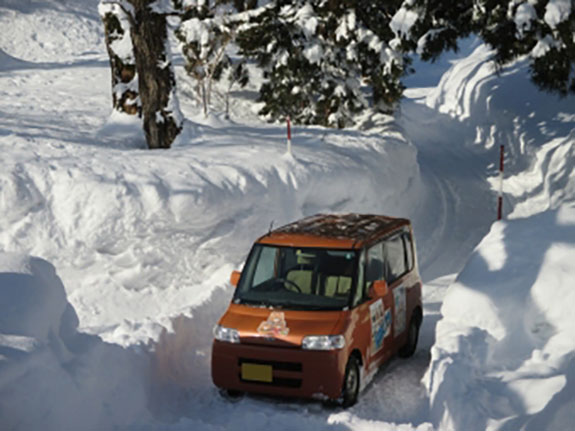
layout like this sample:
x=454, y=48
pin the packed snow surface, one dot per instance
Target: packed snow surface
x=111, y=325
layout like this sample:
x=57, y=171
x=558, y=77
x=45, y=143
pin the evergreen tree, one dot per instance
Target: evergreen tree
x=430, y=27
x=541, y=29
x=206, y=30
x=324, y=61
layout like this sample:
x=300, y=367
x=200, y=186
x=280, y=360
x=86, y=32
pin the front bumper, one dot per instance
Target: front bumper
x=296, y=372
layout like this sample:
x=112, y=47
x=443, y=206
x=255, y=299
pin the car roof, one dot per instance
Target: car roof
x=334, y=230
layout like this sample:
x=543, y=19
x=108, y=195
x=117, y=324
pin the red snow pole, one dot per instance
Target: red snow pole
x=288, y=135
x=500, y=197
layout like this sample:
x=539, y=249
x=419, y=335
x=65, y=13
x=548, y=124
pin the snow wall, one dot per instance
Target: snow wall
x=504, y=356
x=53, y=377
x=506, y=108
x=140, y=236
x=504, y=352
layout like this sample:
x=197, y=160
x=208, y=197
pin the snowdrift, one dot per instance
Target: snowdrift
x=53, y=377
x=142, y=236
x=504, y=356
x=505, y=108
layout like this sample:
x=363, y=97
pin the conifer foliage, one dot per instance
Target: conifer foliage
x=206, y=30
x=544, y=30
x=541, y=29
x=324, y=61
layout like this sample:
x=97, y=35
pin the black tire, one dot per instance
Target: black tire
x=231, y=394
x=351, y=383
x=410, y=345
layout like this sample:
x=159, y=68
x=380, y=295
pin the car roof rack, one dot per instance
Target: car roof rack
x=361, y=228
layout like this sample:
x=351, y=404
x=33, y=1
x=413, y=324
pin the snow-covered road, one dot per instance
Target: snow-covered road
x=395, y=396
x=455, y=212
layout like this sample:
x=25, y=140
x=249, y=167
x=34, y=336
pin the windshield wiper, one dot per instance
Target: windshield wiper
x=300, y=306
x=253, y=302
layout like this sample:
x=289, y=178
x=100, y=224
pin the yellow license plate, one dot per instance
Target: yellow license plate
x=257, y=373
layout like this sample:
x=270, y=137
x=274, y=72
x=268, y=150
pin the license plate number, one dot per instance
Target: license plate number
x=257, y=372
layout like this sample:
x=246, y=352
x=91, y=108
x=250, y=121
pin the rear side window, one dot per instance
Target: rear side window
x=374, y=269
x=408, y=251
x=395, y=258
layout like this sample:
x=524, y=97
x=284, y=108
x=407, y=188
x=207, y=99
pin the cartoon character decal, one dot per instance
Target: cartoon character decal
x=400, y=309
x=274, y=326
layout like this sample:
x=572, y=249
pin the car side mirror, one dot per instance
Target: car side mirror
x=378, y=289
x=235, y=278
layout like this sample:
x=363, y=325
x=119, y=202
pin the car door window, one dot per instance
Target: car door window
x=359, y=293
x=374, y=267
x=394, y=256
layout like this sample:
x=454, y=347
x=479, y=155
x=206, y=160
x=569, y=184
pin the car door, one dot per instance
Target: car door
x=377, y=312
x=397, y=266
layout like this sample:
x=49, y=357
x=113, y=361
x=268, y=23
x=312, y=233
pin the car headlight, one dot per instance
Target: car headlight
x=230, y=335
x=323, y=342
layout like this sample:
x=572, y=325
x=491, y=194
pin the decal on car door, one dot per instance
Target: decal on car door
x=380, y=325
x=387, y=320
x=400, y=309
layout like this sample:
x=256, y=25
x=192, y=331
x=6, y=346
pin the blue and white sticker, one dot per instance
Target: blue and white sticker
x=378, y=327
x=387, y=322
x=399, y=302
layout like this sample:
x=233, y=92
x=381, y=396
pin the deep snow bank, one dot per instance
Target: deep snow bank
x=142, y=236
x=51, y=376
x=506, y=108
x=504, y=356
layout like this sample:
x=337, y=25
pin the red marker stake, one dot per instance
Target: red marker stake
x=500, y=197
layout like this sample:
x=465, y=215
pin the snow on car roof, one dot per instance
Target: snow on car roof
x=357, y=227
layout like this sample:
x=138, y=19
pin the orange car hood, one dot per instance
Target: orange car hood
x=276, y=326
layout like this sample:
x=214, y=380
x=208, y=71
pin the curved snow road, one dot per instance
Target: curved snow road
x=460, y=204
x=455, y=215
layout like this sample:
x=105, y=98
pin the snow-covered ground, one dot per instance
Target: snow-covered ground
x=143, y=242
x=505, y=351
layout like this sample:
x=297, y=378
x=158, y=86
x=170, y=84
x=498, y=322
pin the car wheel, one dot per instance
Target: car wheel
x=350, y=390
x=231, y=394
x=411, y=344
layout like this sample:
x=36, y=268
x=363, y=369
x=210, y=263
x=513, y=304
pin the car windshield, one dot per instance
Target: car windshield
x=297, y=278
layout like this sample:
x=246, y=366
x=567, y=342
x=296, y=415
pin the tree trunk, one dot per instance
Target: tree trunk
x=117, y=27
x=205, y=101
x=160, y=110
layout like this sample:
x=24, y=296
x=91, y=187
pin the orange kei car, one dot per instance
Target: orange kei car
x=320, y=304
